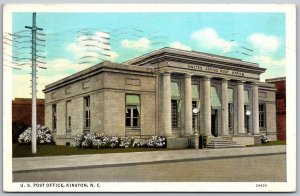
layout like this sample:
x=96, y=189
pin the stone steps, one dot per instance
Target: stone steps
x=223, y=142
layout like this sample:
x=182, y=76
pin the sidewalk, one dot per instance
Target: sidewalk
x=117, y=159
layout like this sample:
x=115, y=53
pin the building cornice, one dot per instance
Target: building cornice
x=193, y=57
x=99, y=68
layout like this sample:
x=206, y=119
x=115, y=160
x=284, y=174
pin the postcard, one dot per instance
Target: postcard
x=149, y=98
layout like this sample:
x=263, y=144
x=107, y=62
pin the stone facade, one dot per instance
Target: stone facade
x=155, y=94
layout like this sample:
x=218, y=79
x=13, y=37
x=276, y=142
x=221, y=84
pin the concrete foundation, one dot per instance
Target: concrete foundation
x=178, y=143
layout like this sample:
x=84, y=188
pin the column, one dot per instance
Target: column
x=255, y=110
x=207, y=106
x=188, y=115
x=240, y=109
x=225, y=130
x=167, y=127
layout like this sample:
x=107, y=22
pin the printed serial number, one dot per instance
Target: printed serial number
x=261, y=185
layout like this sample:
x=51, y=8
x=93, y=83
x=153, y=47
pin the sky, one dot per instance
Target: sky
x=75, y=41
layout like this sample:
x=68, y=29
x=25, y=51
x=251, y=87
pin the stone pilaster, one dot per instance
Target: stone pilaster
x=224, y=127
x=255, y=110
x=167, y=124
x=207, y=106
x=188, y=116
x=240, y=108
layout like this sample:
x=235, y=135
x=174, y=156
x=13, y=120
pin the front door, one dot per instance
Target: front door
x=214, y=128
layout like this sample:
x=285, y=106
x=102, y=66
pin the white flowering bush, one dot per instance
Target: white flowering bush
x=126, y=142
x=114, y=142
x=25, y=137
x=265, y=139
x=140, y=143
x=78, y=140
x=156, y=141
x=96, y=140
x=43, y=136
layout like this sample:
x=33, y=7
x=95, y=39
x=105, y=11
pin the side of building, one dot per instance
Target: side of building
x=280, y=84
x=102, y=99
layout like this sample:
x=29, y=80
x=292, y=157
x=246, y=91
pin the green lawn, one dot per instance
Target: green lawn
x=53, y=150
x=271, y=143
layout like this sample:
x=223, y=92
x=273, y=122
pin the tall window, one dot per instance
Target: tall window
x=175, y=104
x=68, y=115
x=262, y=115
x=230, y=115
x=132, y=117
x=87, y=112
x=246, y=108
x=246, y=118
x=54, y=117
x=195, y=104
x=174, y=108
x=230, y=108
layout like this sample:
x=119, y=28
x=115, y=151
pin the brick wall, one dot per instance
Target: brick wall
x=280, y=106
x=281, y=109
x=21, y=111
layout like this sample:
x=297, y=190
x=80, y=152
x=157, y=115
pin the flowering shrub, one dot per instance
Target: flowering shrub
x=140, y=143
x=156, y=141
x=78, y=140
x=96, y=140
x=126, y=142
x=43, y=136
x=114, y=142
x=25, y=137
x=265, y=139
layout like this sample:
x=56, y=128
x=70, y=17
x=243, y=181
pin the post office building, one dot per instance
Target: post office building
x=167, y=92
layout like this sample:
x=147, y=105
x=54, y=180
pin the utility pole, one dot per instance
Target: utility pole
x=34, y=28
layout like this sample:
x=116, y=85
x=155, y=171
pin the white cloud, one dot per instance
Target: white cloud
x=58, y=66
x=113, y=56
x=22, y=84
x=56, y=69
x=264, y=43
x=92, y=48
x=140, y=44
x=61, y=68
x=209, y=39
x=275, y=67
x=77, y=51
x=267, y=61
x=180, y=46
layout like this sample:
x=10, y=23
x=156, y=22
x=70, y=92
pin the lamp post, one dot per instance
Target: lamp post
x=196, y=134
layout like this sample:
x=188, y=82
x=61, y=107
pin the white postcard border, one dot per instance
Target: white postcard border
x=290, y=185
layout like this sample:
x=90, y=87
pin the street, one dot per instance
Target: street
x=267, y=168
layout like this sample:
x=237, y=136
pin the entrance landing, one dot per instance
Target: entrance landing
x=223, y=142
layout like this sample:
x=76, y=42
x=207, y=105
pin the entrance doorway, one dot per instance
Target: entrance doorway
x=214, y=122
